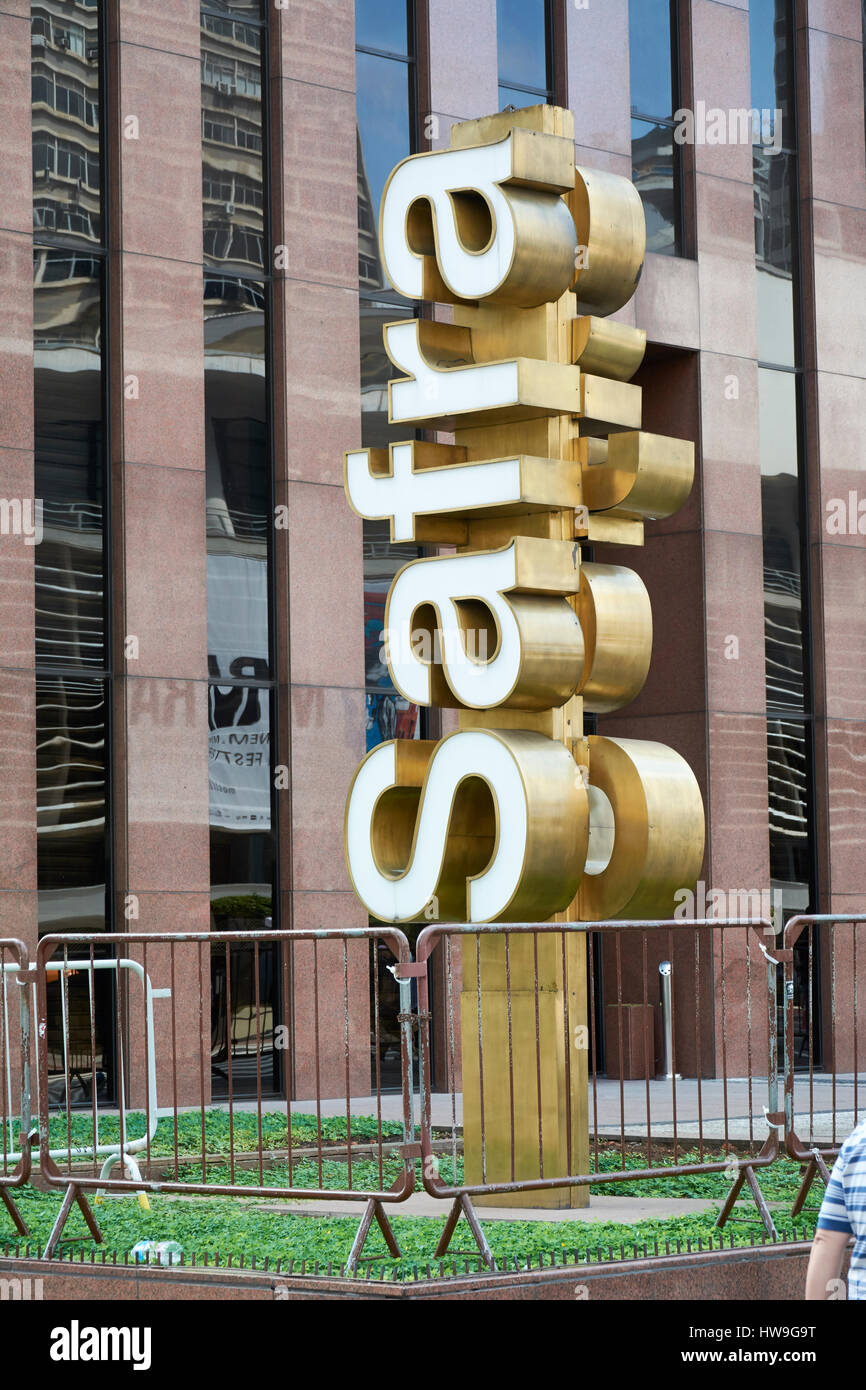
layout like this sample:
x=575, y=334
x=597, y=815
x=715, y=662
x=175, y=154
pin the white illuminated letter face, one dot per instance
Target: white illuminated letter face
x=470, y=273
x=405, y=493
x=403, y=897
x=443, y=583
x=437, y=391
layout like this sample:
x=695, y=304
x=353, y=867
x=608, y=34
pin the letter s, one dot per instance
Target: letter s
x=494, y=823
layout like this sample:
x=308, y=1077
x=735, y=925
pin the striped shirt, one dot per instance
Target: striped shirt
x=844, y=1205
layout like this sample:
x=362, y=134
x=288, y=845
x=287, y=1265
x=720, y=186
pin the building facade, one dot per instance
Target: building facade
x=193, y=303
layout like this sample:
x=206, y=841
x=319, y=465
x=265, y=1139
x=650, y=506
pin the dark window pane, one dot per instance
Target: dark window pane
x=237, y=479
x=377, y=370
x=383, y=124
x=71, y=790
x=245, y=985
x=780, y=504
x=787, y=765
x=650, y=57
x=521, y=27
x=382, y=24
x=65, y=119
x=70, y=608
x=771, y=61
x=80, y=1051
x=655, y=171
x=242, y=878
x=232, y=173
x=389, y=714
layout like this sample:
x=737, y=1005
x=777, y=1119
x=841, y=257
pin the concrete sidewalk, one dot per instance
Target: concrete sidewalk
x=624, y=1210
x=714, y=1108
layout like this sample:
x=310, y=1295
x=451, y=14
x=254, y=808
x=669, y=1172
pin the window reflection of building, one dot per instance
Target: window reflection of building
x=783, y=481
x=386, y=134
x=655, y=96
x=389, y=714
x=70, y=617
x=71, y=803
x=655, y=174
x=232, y=181
x=787, y=742
x=72, y=676
x=66, y=105
x=370, y=274
x=239, y=523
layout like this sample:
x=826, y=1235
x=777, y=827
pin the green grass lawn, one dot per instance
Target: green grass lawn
x=246, y=1229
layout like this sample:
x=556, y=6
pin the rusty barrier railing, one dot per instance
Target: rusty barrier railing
x=517, y=1046
x=825, y=1033
x=160, y=1059
x=247, y=1014
x=16, y=1132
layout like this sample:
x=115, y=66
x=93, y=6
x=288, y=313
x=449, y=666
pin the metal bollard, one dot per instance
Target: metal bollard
x=667, y=1021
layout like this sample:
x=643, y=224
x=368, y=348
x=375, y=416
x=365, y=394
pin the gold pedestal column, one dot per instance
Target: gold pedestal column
x=526, y=1079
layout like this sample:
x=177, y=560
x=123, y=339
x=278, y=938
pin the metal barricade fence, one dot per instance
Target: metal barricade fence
x=825, y=1033
x=248, y=1013
x=526, y=1084
x=519, y=1045
x=16, y=1133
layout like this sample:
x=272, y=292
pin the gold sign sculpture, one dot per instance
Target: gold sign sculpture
x=517, y=816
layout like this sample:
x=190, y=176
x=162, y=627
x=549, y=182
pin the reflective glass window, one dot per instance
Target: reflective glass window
x=650, y=41
x=69, y=461
x=656, y=156
x=771, y=61
x=655, y=172
x=788, y=787
x=232, y=174
x=389, y=714
x=71, y=798
x=780, y=506
x=775, y=185
x=382, y=24
x=237, y=478
x=377, y=370
x=522, y=35
x=252, y=10
x=384, y=139
x=65, y=92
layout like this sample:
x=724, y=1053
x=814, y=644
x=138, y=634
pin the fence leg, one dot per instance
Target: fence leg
x=17, y=1219
x=72, y=1194
x=803, y=1191
x=815, y=1166
x=760, y=1202
x=747, y=1174
x=373, y=1208
x=463, y=1204
x=731, y=1198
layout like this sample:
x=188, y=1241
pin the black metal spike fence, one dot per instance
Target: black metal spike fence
x=499, y=1063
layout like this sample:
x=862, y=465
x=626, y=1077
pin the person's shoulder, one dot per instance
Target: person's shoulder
x=854, y=1147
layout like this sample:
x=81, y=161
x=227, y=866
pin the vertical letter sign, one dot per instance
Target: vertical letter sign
x=516, y=816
